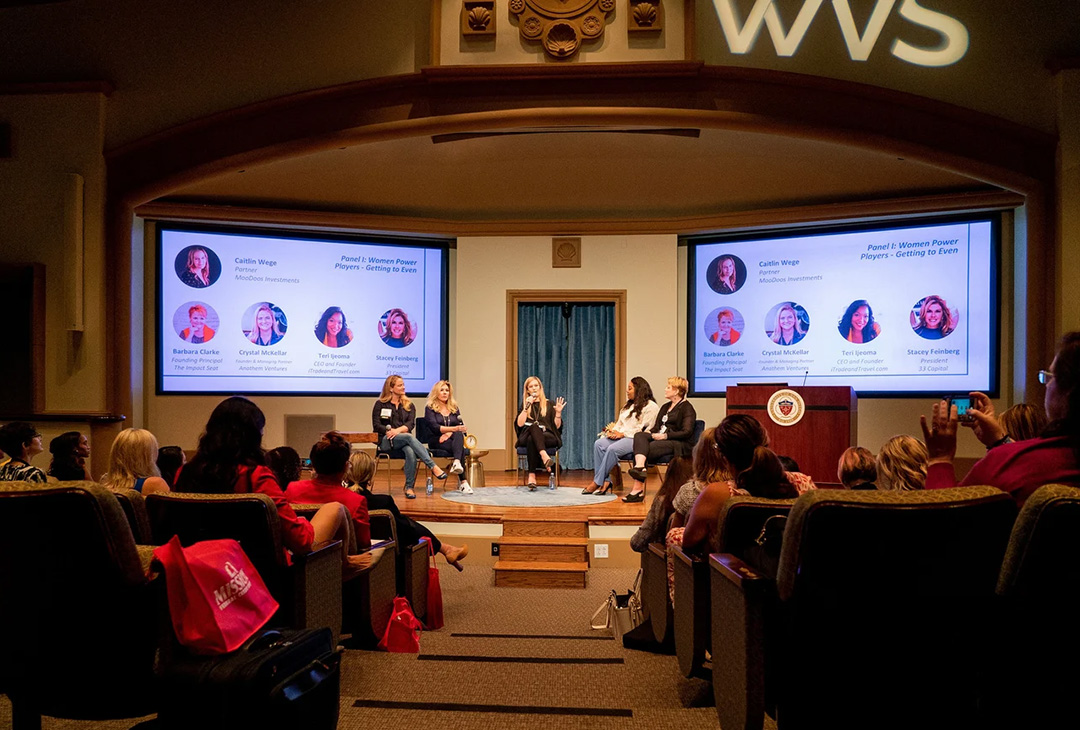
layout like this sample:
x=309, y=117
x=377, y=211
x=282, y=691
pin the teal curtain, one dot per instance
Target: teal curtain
x=574, y=357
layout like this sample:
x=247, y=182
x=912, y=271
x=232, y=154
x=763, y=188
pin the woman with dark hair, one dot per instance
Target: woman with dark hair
x=1020, y=467
x=332, y=330
x=21, y=442
x=399, y=331
x=285, y=463
x=329, y=460
x=935, y=320
x=617, y=439
x=230, y=460
x=69, y=453
x=755, y=470
x=670, y=433
x=169, y=461
x=680, y=473
x=858, y=325
x=197, y=272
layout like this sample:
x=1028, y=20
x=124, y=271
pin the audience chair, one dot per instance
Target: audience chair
x=654, y=591
x=309, y=589
x=412, y=569
x=368, y=598
x=1037, y=647
x=740, y=523
x=886, y=594
x=78, y=612
x=134, y=505
x=523, y=463
x=424, y=436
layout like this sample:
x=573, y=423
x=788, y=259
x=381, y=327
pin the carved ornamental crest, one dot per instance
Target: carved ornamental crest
x=561, y=25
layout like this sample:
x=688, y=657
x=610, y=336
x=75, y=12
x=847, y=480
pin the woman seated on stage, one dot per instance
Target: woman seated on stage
x=133, y=463
x=670, y=434
x=69, y=451
x=901, y=464
x=617, y=440
x=1021, y=467
x=539, y=427
x=230, y=460
x=359, y=472
x=329, y=460
x=393, y=418
x=447, y=429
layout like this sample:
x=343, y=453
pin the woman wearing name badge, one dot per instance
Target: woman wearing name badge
x=788, y=329
x=393, y=418
x=858, y=325
x=539, y=427
x=398, y=330
x=332, y=330
x=725, y=334
x=198, y=332
x=265, y=328
x=617, y=440
x=935, y=321
x=447, y=429
x=197, y=272
x=670, y=434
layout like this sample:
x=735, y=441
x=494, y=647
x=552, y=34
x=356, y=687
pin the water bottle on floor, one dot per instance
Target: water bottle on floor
x=430, y=488
x=551, y=480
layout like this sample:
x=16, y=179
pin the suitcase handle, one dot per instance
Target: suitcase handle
x=265, y=640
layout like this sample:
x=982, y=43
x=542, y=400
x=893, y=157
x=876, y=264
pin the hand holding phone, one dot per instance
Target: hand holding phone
x=962, y=403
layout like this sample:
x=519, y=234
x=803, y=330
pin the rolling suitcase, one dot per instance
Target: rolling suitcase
x=277, y=680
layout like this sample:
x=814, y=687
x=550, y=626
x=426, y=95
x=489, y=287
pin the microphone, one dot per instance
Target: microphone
x=805, y=376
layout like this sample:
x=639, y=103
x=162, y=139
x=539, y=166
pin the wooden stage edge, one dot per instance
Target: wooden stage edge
x=437, y=509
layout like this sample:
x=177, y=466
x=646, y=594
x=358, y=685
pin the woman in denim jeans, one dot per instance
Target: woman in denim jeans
x=393, y=418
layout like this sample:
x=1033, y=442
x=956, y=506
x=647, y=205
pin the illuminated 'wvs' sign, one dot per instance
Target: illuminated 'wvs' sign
x=953, y=45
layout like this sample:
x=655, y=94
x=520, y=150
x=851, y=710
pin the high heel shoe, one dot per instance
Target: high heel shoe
x=440, y=477
x=595, y=490
x=606, y=489
x=634, y=497
x=639, y=473
x=454, y=556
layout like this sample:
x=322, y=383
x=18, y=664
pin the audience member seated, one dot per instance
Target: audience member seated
x=802, y=482
x=669, y=436
x=169, y=461
x=133, y=463
x=21, y=442
x=709, y=466
x=285, y=463
x=1022, y=467
x=901, y=464
x=230, y=459
x=1022, y=422
x=329, y=459
x=617, y=439
x=69, y=453
x=360, y=470
x=447, y=429
x=680, y=474
x=857, y=468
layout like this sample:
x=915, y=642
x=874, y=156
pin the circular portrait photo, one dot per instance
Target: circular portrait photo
x=197, y=266
x=264, y=324
x=332, y=330
x=195, y=322
x=396, y=329
x=857, y=325
x=724, y=326
x=726, y=274
x=787, y=323
x=932, y=319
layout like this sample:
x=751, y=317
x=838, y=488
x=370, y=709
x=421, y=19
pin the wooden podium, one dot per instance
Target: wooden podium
x=829, y=425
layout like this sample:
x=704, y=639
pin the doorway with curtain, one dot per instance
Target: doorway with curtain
x=571, y=346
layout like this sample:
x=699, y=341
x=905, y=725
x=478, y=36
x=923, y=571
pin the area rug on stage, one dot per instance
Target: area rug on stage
x=522, y=497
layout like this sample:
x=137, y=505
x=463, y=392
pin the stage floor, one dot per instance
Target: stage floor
x=436, y=509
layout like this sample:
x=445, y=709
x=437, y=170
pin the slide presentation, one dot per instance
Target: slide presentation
x=282, y=313
x=892, y=310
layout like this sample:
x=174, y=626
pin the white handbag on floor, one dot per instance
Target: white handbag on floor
x=621, y=611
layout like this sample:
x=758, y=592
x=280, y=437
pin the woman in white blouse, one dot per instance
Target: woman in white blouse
x=617, y=440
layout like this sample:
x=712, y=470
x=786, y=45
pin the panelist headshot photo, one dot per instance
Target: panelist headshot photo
x=332, y=330
x=787, y=323
x=197, y=266
x=932, y=319
x=264, y=324
x=726, y=274
x=195, y=322
x=857, y=325
x=724, y=326
x=395, y=329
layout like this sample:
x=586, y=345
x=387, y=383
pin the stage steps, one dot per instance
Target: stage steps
x=543, y=553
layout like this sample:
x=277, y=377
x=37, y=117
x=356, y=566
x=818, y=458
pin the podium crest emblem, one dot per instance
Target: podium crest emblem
x=786, y=407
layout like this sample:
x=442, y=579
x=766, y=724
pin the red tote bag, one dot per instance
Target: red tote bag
x=217, y=600
x=402, y=634
x=434, y=592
